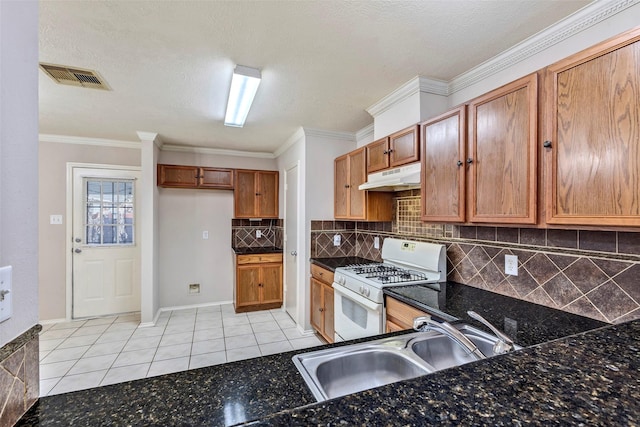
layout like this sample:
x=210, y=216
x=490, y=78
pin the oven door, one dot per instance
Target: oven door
x=355, y=316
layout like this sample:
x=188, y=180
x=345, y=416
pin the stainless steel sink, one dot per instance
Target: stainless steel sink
x=441, y=352
x=348, y=369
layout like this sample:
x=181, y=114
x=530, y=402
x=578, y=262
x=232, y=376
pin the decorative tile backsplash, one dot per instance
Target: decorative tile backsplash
x=244, y=233
x=591, y=273
x=19, y=376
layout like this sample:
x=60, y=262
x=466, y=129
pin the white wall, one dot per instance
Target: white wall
x=183, y=256
x=19, y=161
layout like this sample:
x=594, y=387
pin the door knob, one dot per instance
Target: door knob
x=77, y=250
x=78, y=240
x=294, y=253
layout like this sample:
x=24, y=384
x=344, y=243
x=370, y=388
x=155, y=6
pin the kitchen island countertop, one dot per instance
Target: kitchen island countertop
x=590, y=378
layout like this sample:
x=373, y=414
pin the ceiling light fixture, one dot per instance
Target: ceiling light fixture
x=244, y=85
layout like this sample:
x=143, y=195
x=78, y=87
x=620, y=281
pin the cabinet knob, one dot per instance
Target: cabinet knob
x=546, y=144
x=321, y=309
x=385, y=152
x=346, y=186
x=459, y=163
x=258, y=194
x=390, y=151
x=469, y=160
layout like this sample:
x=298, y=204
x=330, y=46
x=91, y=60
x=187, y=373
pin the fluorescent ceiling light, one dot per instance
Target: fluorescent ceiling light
x=244, y=86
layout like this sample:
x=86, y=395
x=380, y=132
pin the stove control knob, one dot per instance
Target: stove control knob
x=368, y=291
x=361, y=289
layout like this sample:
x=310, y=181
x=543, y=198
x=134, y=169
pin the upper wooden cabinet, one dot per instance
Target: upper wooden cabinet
x=502, y=154
x=256, y=194
x=592, y=135
x=175, y=176
x=395, y=150
x=443, y=150
x=352, y=203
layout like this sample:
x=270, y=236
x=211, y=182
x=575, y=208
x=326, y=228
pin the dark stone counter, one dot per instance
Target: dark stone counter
x=333, y=263
x=524, y=322
x=590, y=378
x=252, y=250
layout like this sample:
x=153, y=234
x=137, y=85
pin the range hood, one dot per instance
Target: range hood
x=396, y=179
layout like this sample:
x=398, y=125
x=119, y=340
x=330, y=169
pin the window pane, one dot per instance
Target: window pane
x=109, y=212
x=93, y=235
x=109, y=235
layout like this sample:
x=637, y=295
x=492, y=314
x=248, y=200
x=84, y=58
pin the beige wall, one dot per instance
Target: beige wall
x=184, y=256
x=53, y=159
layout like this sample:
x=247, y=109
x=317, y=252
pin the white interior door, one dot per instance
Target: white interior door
x=291, y=242
x=106, y=249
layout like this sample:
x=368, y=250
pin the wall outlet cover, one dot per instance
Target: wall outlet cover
x=194, y=288
x=258, y=234
x=205, y=235
x=511, y=265
x=337, y=239
x=376, y=242
x=55, y=219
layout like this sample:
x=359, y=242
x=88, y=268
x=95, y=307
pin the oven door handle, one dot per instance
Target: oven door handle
x=357, y=298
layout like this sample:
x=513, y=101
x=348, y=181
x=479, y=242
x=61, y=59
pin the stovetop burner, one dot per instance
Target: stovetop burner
x=385, y=273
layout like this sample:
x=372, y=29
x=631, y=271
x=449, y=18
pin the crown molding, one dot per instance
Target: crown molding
x=150, y=136
x=297, y=136
x=365, y=132
x=328, y=134
x=584, y=18
x=216, y=151
x=79, y=140
x=410, y=88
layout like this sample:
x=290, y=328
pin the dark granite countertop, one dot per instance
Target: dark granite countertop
x=333, y=263
x=590, y=378
x=524, y=322
x=256, y=250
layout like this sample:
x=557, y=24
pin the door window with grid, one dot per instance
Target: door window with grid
x=109, y=212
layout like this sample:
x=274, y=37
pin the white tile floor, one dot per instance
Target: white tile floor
x=90, y=353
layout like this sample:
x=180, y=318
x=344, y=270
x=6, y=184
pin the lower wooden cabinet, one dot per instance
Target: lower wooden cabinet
x=400, y=315
x=258, y=282
x=322, y=313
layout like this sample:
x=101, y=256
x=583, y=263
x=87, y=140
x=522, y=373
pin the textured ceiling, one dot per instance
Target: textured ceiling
x=169, y=63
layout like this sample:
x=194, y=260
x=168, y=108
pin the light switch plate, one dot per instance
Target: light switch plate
x=337, y=239
x=205, y=235
x=511, y=265
x=5, y=293
x=55, y=219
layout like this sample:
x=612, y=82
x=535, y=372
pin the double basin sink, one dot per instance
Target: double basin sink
x=344, y=370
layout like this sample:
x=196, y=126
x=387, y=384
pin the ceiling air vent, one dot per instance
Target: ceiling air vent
x=74, y=76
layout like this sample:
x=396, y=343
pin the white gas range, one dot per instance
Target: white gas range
x=358, y=303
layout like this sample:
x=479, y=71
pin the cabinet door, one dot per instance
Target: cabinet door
x=341, y=187
x=328, y=327
x=245, y=194
x=443, y=171
x=271, y=283
x=377, y=155
x=316, y=305
x=177, y=176
x=502, y=172
x=216, y=178
x=592, y=100
x=392, y=327
x=357, y=176
x=267, y=194
x=404, y=147
x=247, y=289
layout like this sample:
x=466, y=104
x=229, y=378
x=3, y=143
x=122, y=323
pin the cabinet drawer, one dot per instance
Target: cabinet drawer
x=259, y=258
x=321, y=274
x=402, y=314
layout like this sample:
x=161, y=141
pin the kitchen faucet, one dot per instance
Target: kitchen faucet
x=504, y=343
x=426, y=323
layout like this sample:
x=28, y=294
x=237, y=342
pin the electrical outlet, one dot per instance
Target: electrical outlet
x=205, y=235
x=258, y=234
x=376, y=242
x=194, y=288
x=55, y=219
x=511, y=265
x=337, y=239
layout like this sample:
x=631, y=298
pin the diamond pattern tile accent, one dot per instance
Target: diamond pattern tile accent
x=523, y=283
x=541, y=268
x=585, y=275
x=584, y=307
x=539, y=296
x=478, y=257
x=611, y=302
x=628, y=281
x=561, y=290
